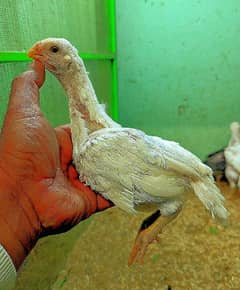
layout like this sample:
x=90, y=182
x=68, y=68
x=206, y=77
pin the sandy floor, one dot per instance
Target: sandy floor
x=47, y=259
x=193, y=253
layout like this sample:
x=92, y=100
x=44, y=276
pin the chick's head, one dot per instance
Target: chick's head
x=57, y=54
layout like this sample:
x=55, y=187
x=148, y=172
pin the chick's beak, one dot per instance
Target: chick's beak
x=35, y=52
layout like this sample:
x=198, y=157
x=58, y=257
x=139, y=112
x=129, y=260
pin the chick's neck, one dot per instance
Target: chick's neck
x=86, y=113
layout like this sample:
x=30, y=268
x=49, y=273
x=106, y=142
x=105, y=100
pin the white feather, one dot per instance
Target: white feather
x=125, y=165
x=131, y=168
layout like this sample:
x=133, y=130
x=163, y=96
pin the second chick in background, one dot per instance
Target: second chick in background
x=232, y=156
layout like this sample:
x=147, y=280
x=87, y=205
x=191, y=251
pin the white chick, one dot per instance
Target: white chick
x=125, y=165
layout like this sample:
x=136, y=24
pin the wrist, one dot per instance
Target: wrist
x=17, y=224
x=13, y=247
x=8, y=272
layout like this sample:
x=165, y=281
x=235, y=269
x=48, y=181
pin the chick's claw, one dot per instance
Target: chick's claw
x=143, y=240
x=149, y=232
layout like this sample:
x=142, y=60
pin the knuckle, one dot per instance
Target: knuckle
x=26, y=76
x=21, y=77
x=22, y=81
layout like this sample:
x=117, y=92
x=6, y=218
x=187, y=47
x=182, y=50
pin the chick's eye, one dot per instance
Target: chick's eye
x=54, y=49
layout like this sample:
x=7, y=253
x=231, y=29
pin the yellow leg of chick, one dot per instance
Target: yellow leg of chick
x=148, y=232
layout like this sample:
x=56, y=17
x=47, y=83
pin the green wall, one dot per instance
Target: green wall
x=179, y=69
x=86, y=23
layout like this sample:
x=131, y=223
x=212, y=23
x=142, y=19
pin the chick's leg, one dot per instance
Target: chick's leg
x=148, y=232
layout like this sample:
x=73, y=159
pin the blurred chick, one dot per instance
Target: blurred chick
x=216, y=161
x=232, y=156
x=125, y=165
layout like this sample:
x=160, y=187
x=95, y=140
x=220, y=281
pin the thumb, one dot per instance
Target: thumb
x=38, y=75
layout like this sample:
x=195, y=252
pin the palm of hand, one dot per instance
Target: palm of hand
x=40, y=192
x=29, y=160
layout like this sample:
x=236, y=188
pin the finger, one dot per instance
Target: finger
x=103, y=203
x=24, y=83
x=100, y=203
x=83, y=188
x=66, y=128
x=24, y=92
x=60, y=208
x=65, y=147
x=72, y=173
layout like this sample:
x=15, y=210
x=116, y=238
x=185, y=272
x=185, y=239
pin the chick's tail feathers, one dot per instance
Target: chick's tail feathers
x=211, y=197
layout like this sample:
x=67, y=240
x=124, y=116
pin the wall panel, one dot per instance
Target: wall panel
x=85, y=23
x=53, y=100
x=179, y=69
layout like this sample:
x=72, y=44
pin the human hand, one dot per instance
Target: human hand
x=36, y=196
